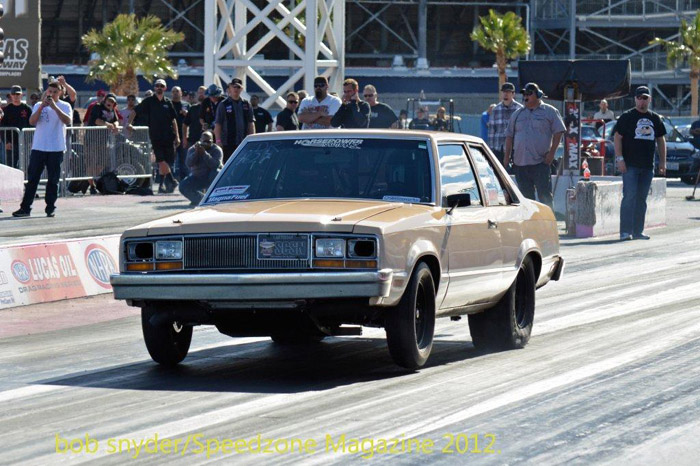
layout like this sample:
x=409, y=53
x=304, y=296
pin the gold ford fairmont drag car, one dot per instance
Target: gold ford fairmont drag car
x=308, y=234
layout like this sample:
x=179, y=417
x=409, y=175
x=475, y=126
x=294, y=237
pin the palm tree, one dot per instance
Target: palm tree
x=503, y=35
x=686, y=51
x=128, y=45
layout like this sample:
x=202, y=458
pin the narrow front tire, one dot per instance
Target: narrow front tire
x=410, y=326
x=168, y=342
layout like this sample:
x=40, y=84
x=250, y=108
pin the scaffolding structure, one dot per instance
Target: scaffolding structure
x=617, y=29
x=409, y=35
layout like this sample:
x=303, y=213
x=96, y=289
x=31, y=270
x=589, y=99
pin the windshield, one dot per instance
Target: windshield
x=390, y=170
x=672, y=135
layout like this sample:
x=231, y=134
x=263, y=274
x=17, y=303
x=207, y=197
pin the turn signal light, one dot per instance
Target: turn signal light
x=329, y=263
x=361, y=264
x=140, y=267
x=168, y=265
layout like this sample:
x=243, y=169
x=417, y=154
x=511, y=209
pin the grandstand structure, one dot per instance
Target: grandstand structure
x=409, y=36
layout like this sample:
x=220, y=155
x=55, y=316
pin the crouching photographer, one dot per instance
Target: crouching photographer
x=204, y=162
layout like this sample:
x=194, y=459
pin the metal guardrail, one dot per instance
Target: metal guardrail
x=90, y=152
x=10, y=146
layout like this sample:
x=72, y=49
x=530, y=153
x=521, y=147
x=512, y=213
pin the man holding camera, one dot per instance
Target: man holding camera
x=203, y=161
x=50, y=116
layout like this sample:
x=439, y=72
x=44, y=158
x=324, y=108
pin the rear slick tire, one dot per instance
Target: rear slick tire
x=508, y=325
x=410, y=325
x=168, y=343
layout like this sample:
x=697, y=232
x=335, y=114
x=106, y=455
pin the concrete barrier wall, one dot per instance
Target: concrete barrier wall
x=11, y=183
x=597, y=207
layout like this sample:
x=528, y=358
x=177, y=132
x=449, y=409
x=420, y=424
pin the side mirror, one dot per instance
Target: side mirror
x=458, y=200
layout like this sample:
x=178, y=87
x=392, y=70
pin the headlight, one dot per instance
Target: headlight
x=362, y=248
x=169, y=250
x=140, y=251
x=696, y=154
x=330, y=247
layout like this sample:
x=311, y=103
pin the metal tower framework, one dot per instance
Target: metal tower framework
x=616, y=29
x=318, y=44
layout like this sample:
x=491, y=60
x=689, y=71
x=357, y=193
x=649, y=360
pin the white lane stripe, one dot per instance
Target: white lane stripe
x=617, y=309
x=29, y=390
x=553, y=383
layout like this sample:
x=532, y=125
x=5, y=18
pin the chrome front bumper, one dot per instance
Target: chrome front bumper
x=255, y=286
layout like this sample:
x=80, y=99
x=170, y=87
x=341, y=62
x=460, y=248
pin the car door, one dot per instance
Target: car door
x=472, y=246
x=506, y=213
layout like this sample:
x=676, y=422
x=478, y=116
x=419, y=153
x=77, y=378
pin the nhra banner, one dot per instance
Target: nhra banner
x=44, y=272
x=21, y=23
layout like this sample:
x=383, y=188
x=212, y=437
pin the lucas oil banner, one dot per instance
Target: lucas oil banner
x=46, y=272
x=22, y=45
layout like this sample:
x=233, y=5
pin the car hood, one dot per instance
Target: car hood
x=267, y=216
x=680, y=149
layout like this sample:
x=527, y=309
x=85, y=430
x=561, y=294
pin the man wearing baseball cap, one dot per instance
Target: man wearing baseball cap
x=101, y=93
x=234, y=119
x=533, y=135
x=162, y=130
x=214, y=95
x=316, y=111
x=638, y=133
x=498, y=119
x=16, y=115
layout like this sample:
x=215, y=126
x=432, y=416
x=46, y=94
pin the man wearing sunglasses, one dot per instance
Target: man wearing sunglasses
x=533, y=135
x=316, y=111
x=287, y=119
x=160, y=113
x=638, y=133
x=381, y=115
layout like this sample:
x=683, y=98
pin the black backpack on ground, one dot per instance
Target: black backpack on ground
x=78, y=186
x=109, y=183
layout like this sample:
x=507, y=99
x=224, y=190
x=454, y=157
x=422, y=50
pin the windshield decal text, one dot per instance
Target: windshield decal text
x=326, y=142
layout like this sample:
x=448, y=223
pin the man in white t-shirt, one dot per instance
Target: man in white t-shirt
x=315, y=112
x=604, y=114
x=50, y=116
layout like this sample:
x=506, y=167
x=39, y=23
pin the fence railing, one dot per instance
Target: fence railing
x=10, y=146
x=90, y=151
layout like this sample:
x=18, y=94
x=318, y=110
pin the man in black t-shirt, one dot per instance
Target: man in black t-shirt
x=162, y=130
x=234, y=119
x=381, y=115
x=420, y=121
x=191, y=126
x=287, y=119
x=638, y=132
x=16, y=115
x=353, y=113
x=214, y=96
x=181, y=108
x=263, y=119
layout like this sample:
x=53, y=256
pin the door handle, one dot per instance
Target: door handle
x=492, y=224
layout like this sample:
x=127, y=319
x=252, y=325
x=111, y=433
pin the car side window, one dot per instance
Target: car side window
x=495, y=192
x=456, y=173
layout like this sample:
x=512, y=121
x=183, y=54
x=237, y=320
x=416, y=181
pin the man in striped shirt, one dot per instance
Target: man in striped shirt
x=498, y=120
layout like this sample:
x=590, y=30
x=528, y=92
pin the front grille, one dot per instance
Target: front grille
x=231, y=252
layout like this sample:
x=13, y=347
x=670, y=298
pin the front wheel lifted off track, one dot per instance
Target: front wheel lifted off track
x=167, y=343
x=509, y=324
x=410, y=325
